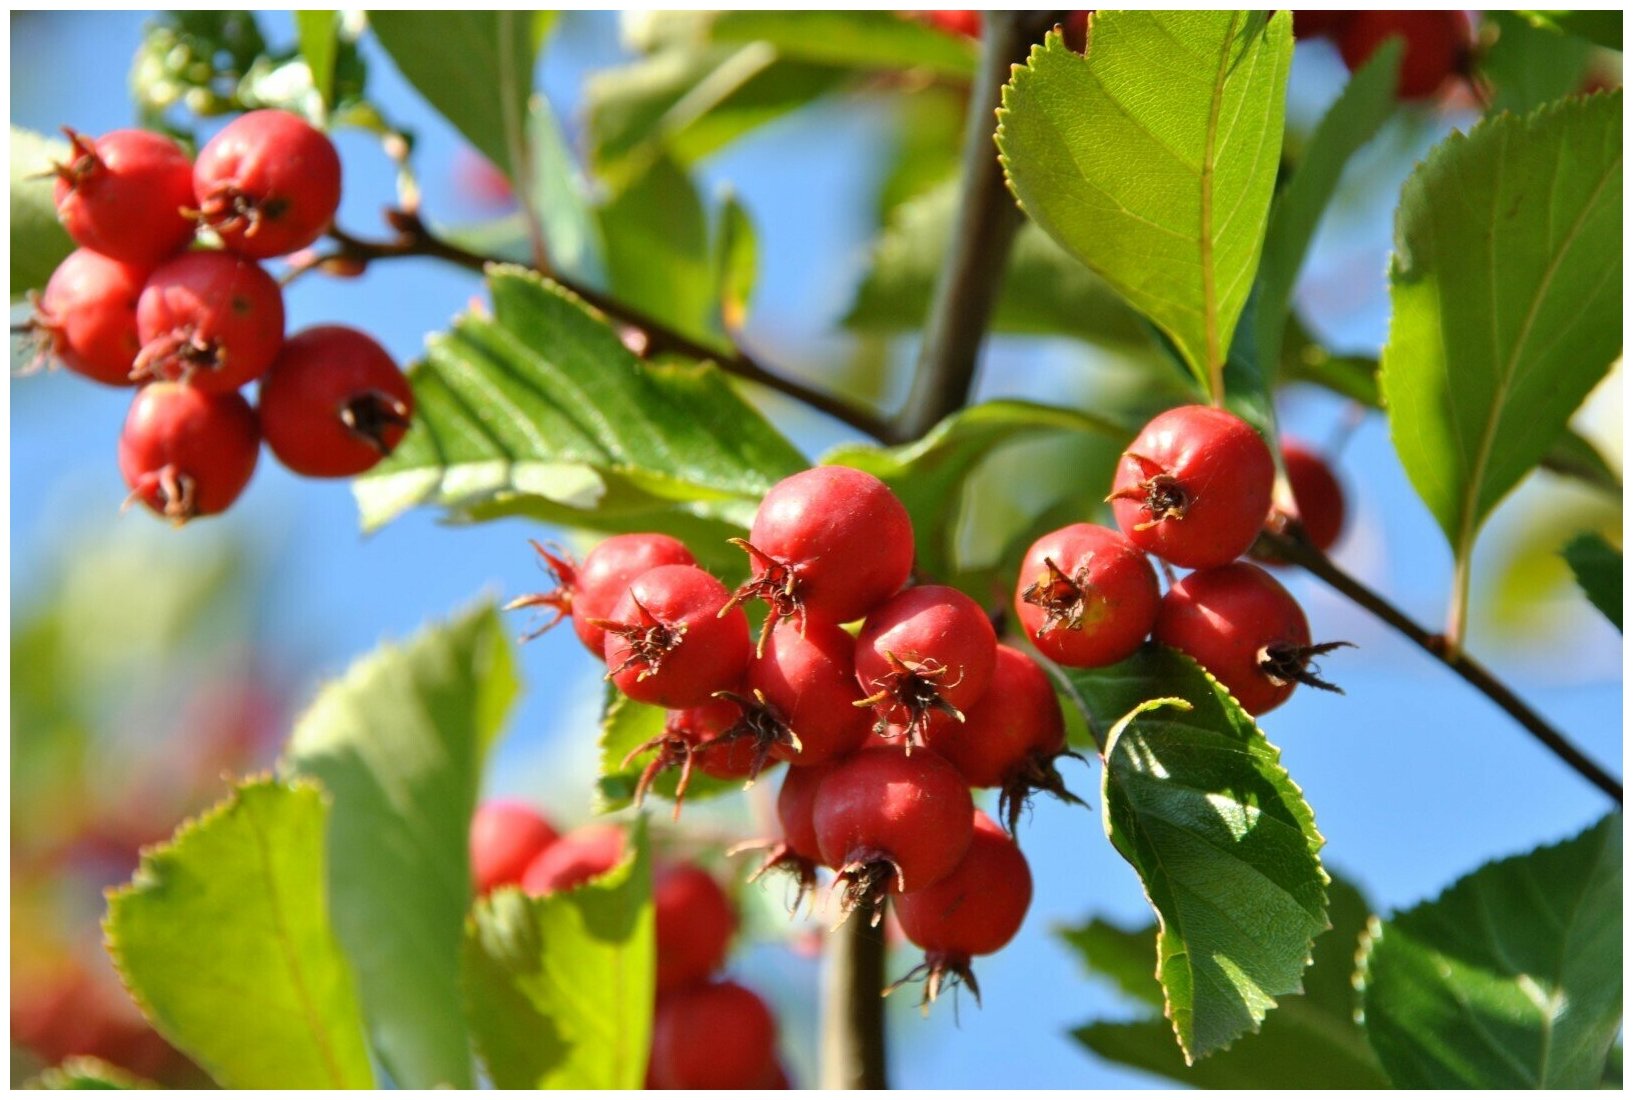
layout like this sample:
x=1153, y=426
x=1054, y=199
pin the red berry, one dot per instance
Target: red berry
x=211, y=319
x=268, y=184
x=187, y=453
x=1316, y=491
x=124, y=195
x=1194, y=487
x=891, y=823
x=796, y=802
x=505, y=838
x=1437, y=45
x=832, y=541
x=717, y=738
x=574, y=859
x=588, y=592
x=714, y=1036
x=808, y=675
x=86, y=319
x=929, y=650
x=966, y=23
x=694, y=923
x=1074, y=31
x=668, y=641
x=334, y=403
x=975, y=910
x=1246, y=629
x=1086, y=596
x=1319, y=24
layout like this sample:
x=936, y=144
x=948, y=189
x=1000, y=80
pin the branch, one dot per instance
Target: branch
x=853, y=1007
x=1292, y=547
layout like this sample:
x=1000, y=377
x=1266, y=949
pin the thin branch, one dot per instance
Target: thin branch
x=1291, y=547
x=853, y=1008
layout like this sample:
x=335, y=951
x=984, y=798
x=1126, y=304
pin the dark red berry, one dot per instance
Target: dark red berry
x=670, y=640
x=1086, y=596
x=1437, y=45
x=268, y=184
x=211, y=319
x=334, y=403
x=1246, y=629
x=694, y=922
x=808, y=674
x=505, y=838
x=574, y=859
x=1194, y=487
x=125, y=195
x=1316, y=491
x=1074, y=31
x=1319, y=24
x=926, y=654
x=798, y=851
x=831, y=541
x=187, y=453
x=86, y=318
x=891, y=823
x=718, y=738
x=975, y=910
x=713, y=1036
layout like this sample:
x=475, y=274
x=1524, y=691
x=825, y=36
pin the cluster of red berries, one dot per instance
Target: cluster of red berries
x=707, y=1032
x=137, y=305
x=1438, y=44
x=1194, y=489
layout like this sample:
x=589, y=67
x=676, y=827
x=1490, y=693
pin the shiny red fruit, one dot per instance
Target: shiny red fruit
x=334, y=403
x=808, y=675
x=125, y=195
x=574, y=859
x=976, y=909
x=926, y=655
x=505, y=838
x=187, y=453
x=607, y=573
x=86, y=317
x=670, y=640
x=268, y=183
x=694, y=923
x=1086, y=596
x=1437, y=45
x=714, y=1036
x=1316, y=491
x=1018, y=717
x=211, y=319
x=796, y=802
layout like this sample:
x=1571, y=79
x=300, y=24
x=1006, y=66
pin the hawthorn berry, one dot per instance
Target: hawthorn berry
x=966, y=23
x=1438, y=44
x=1086, y=596
x=333, y=403
x=1194, y=487
x=268, y=183
x=1237, y=622
x=673, y=640
x=505, y=837
x=808, y=675
x=1319, y=23
x=1317, y=493
x=798, y=851
x=713, y=738
x=574, y=859
x=186, y=453
x=831, y=542
x=974, y=910
x=125, y=194
x=211, y=319
x=890, y=823
x=86, y=318
x=926, y=654
x=590, y=591
x=712, y=1036
x=693, y=924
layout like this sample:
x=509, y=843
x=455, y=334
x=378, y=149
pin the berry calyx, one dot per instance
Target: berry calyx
x=808, y=676
x=210, y=319
x=728, y=737
x=86, y=317
x=713, y=1036
x=798, y=852
x=1237, y=622
x=673, y=640
x=268, y=184
x=1438, y=45
x=1086, y=596
x=505, y=838
x=1194, y=487
x=574, y=859
x=124, y=195
x=186, y=453
x=926, y=654
x=333, y=403
x=890, y=823
x=693, y=924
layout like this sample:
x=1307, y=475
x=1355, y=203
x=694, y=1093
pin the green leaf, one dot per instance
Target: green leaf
x=399, y=742
x=560, y=988
x=318, y=33
x=561, y=196
x=736, y=262
x=1529, y=65
x=625, y=727
x=1602, y=28
x=1310, y=1040
x=540, y=410
x=1506, y=287
x=475, y=68
x=223, y=939
x=1512, y=978
x=856, y=39
x=659, y=257
x=1154, y=159
x=86, y=1072
x=1195, y=798
x=1598, y=569
x=38, y=241
x=929, y=474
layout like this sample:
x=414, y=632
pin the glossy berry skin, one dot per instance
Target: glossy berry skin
x=694, y=923
x=713, y=1036
x=926, y=653
x=268, y=183
x=1437, y=45
x=574, y=859
x=505, y=838
x=1086, y=596
x=669, y=644
x=87, y=316
x=1194, y=487
x=123, y=195
x=607, y=573
x=979, y=906
x=831, y=542
x=1017, y=717
x=334, y=403
x=1226, y=619
x=1316, y=491
x=809, y=676
x=211, y=319
x=187, y=453
x=880, y=805
x=796, y=802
